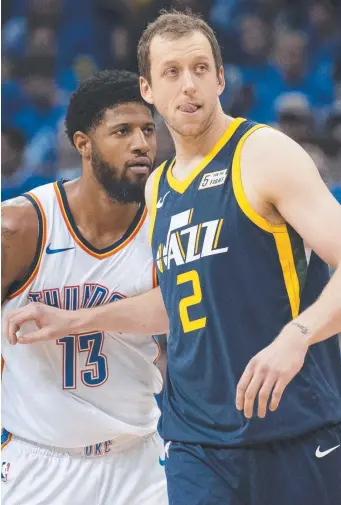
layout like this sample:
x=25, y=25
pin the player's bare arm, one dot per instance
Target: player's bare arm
x=284, y=185
x=144, y=314
x=19, y=235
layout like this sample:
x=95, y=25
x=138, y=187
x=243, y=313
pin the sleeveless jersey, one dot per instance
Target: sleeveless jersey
x=231, y=281
x=85, y=389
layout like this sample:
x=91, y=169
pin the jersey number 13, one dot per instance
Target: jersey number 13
x=95, y=372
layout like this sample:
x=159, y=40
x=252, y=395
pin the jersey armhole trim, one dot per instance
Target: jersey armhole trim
x=155, y=191
x=238, y=189
x=279, y=232
x=18, y=287
x=155, y=337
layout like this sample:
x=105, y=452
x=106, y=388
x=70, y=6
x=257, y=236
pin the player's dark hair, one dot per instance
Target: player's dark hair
x=172, y=25
x=104, y=90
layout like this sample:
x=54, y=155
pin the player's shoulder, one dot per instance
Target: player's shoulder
x=271, y=162
x=270, y=155
x=19, y=217
x=269, y=143
x=19, y=239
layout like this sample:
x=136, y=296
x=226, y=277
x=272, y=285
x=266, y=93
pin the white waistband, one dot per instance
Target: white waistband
x=107, y=448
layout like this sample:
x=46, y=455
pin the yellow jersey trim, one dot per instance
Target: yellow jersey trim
x=238, y=189
x=155, y=285
x=181, y=186
x=155, y=191
x=286, y=259
x=279, y=232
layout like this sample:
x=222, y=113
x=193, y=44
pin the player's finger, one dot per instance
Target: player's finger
x=11, y=331
x=14, y=324
x=243, y=385
x=277, y=393
x=264, y=394
x=41, y=335
x=251, y=393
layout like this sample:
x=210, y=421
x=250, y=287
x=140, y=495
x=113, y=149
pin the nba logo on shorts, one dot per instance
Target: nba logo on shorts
x=4, y=471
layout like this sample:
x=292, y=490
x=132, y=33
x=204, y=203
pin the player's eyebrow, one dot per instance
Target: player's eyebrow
x=116, y=126
x=169, y=63
x=173, y=62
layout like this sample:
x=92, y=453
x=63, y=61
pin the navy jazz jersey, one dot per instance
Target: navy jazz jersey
x=231, y=281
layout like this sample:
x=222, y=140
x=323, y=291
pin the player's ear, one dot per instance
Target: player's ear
x=82, y=144
x=221, y=80
x=146, y=90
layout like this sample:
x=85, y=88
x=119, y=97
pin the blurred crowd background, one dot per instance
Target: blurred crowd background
x=282, y=66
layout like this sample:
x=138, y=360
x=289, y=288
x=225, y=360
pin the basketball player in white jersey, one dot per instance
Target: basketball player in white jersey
x=79, y=415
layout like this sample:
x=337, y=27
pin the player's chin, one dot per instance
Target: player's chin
x=134, y=194
x=139, y=179
x=191, y=129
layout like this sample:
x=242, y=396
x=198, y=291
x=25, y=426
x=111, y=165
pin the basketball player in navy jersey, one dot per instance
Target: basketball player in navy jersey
x=242, y=227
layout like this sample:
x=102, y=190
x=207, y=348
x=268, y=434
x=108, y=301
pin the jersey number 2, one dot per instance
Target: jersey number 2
x=187, y=323
x=96, y=371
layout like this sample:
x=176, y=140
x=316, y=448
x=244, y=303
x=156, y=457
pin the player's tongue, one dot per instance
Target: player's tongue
x=188, y=107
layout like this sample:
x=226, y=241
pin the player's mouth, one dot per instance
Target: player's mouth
x=141, y=165
x=189, y=108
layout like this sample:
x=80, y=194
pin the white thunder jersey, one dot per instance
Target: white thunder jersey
x=97, y=386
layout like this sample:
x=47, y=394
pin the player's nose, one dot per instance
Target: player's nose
x=139, y=142
x=188, y=86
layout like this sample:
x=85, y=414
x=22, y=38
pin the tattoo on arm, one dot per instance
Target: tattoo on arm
x=303, y=329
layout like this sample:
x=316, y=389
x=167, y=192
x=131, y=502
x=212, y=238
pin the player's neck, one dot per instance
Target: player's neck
x=190, y=150
x=97, y=216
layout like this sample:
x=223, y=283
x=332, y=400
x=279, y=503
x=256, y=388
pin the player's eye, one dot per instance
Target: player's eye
x=149, y=130
x=121, y=132
x=171, y=72
x=201, y=68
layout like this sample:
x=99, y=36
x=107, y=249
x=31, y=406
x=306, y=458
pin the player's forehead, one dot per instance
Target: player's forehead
x=130, y=113
x=166, y=48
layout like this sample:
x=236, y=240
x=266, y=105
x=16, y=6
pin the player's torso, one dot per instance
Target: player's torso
x=230, y=281
x=90, y=387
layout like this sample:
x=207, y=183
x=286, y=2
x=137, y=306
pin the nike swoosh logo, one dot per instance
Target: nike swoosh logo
x=322, y=454
x=161, y=201
x=162, y=461
x=55, y=251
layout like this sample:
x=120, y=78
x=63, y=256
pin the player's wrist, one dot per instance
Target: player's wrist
x=81, y=321
x=298, y=333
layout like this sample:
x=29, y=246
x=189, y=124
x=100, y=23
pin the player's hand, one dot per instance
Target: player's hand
x=50, y=323
x=270, y=371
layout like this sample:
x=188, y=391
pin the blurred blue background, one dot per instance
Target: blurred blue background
x=282, y=66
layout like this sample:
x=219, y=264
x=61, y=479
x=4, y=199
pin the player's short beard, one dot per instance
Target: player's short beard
x=118, y=188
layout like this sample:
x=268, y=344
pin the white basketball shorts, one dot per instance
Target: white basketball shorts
x=102, y=474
